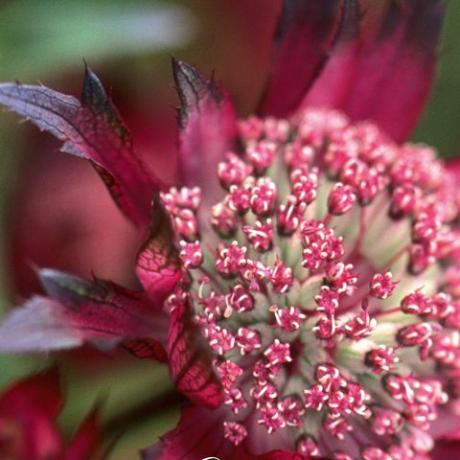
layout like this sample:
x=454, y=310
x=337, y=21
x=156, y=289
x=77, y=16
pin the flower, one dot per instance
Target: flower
x=305, y=271
x=28, y=431
x=321, y=297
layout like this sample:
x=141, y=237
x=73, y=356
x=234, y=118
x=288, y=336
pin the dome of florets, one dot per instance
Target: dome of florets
x=324, y=286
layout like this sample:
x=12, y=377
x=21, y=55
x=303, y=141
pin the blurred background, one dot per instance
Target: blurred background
x=54, y=210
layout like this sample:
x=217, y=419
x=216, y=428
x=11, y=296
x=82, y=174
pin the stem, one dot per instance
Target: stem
x=387, y=312
x=362, y=231
x=396, y=257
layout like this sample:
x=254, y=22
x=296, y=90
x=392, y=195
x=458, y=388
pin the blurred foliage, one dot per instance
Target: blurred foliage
x=441, y=119
x=131, y=42
x=121, y=389
x=37, y=37
x=48, y=39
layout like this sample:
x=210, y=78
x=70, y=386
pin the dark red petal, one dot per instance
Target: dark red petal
x=31, y=406
x=453, y=166
x=87, y=439
x=79, y=311
x=158, y=267
x=93, y=130
x=39, y=393
x=446, y=433
x=445, y=450
x=302, y=42
x=208, y=128
x=383, y=63
x=406, y=46
x=332, y=86
x=190, y=365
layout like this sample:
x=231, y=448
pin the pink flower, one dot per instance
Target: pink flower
x=28, y=429
x=301, y=281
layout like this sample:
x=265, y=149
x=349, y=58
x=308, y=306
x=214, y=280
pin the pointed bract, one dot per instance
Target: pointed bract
x=332, y=85
x=95, y=98
x=383, y=63
x=207, y=127
x=372, y=60
x=79, y=312
x=92, y=130
x=40, y=325
x=190, y=364
x=303, y=39
x=158, y=267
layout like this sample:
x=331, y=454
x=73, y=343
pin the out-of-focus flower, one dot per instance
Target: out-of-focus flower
x=28, y=429
x=301, y=283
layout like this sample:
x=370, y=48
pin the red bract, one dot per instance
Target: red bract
x=62, y=199
x=28, y=430
x=284, y=280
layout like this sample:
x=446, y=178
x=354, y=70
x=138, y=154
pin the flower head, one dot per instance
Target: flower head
x=338, y=324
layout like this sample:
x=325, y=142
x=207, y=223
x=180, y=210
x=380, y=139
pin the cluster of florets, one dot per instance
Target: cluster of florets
x=327, y=292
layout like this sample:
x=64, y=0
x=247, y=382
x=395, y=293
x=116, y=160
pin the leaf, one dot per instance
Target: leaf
x=158, y=265
x=92, y=130
x=208, y=128
x=302, y=42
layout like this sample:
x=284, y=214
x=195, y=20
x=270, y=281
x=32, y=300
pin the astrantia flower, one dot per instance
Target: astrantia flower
x=317, y=286
x=306, y=267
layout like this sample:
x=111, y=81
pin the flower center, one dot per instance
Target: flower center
x=318, y=289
